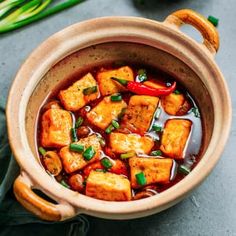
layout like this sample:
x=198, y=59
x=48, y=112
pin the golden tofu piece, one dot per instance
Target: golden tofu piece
x=108, y=86
x=105, y=112
x=73, y=161
x=122, y=143
x=174, y=138
x=73, y=98
x=138, y=116
x=108, y=186
x=172, y=103
x=56, y=128
x=156, y=170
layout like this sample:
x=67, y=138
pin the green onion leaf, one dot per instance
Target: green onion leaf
x=76, y=147
x=158, y=113
x=106, y=163
x=79, y=122
x=116, y=97
x=109, y=129
x=89, y=153
x=90, y=90
x=8, y=5
x=213, y=20
x=157, y=128
x=102, y=141
x=142, y=75
x=115, y=124
x=141, y=179
x=156, y=153
x=74, y=135
x=42, y=151
x=184, y=169
x=196, y=112
x=127, y=155
x=100, y=170
x=63, y=182
x=177, y=92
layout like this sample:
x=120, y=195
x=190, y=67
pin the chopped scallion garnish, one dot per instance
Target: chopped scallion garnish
x=116, y=97
x=158, y=113
x=141, y=179
x=79, y=122
x=63, y=182
x=157, y=128
x=156, y=153
x=213, y=20
x=42, y=151
x=184, y=169
x=196, y=112
x=115, y=124
x=74, y=135
x=89, y=153
x=109, y=129
x=177, y=92
x=142, y=75
x=90, y=90
x=106, y=163
x=76, y=147
x=127, y=155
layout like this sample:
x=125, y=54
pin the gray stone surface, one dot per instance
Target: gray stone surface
x=210, y=210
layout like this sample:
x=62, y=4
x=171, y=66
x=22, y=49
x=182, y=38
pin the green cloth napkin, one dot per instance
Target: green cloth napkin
x=14, y=219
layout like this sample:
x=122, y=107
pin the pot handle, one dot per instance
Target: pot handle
x=42, y=208
x=207, y=29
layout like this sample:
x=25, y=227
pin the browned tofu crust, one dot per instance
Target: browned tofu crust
x=174, y=138
x=108, y=186
x=105, y=112
x=139, y=113
x=56, y=126
x=156, y=170
x=108, y=86
x=122, y=143
x=73, y=161
x=73, y=97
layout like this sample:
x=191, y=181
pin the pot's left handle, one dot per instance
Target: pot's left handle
x=42, y=208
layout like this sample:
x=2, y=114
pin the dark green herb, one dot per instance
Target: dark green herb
x=213, y=20
x=106, y=163
x=116, y=97
x=157, y=128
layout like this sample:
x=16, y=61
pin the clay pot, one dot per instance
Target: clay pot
x=97, y=42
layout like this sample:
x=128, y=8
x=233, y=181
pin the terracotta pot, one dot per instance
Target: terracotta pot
x=95, y=42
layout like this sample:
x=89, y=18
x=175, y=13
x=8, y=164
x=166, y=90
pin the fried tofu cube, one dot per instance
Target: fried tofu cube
x=108, y=186
x=73, y=97
x=108, y=86
x=172, y=103
x=156, y=170
x=56, y=126
x=174, y=138
x=139, y=114
x=122, y=143
x=73, y=161
x=105, y=112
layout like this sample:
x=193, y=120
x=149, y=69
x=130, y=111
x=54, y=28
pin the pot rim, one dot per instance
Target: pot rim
x=117, y=29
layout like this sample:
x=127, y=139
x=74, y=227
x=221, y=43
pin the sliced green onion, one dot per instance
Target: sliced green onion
x=115, y=124
x=157, y=128
x=142, y=75
x=76, y=147
x=141, y=179
x=127, y=155
x=158, y=113
x=79, y=122
x=177, y=92
x=42, y=151
x=100, y=170
x=106, y=163
x=74, y=135
x=196, y=112
x=184, y=169
x=89, y=153
x=102, y=141
x=213, y=20
x=90, y=90
x=122, y=113
x=116, y=97
x=63, y=182
x=109, y=129
x=156, y=153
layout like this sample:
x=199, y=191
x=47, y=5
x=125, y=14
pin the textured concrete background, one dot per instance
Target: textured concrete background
x=210, y=210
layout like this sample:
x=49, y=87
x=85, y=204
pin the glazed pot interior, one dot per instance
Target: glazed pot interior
x=84, y=60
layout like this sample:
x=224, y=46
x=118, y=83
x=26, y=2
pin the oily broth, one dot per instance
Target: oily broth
x=193, y=146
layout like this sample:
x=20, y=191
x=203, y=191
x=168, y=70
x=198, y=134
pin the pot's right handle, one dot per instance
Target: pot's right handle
x=207, y=29
x=42, y=208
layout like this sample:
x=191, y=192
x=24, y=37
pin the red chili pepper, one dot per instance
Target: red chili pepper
x=142, y=89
